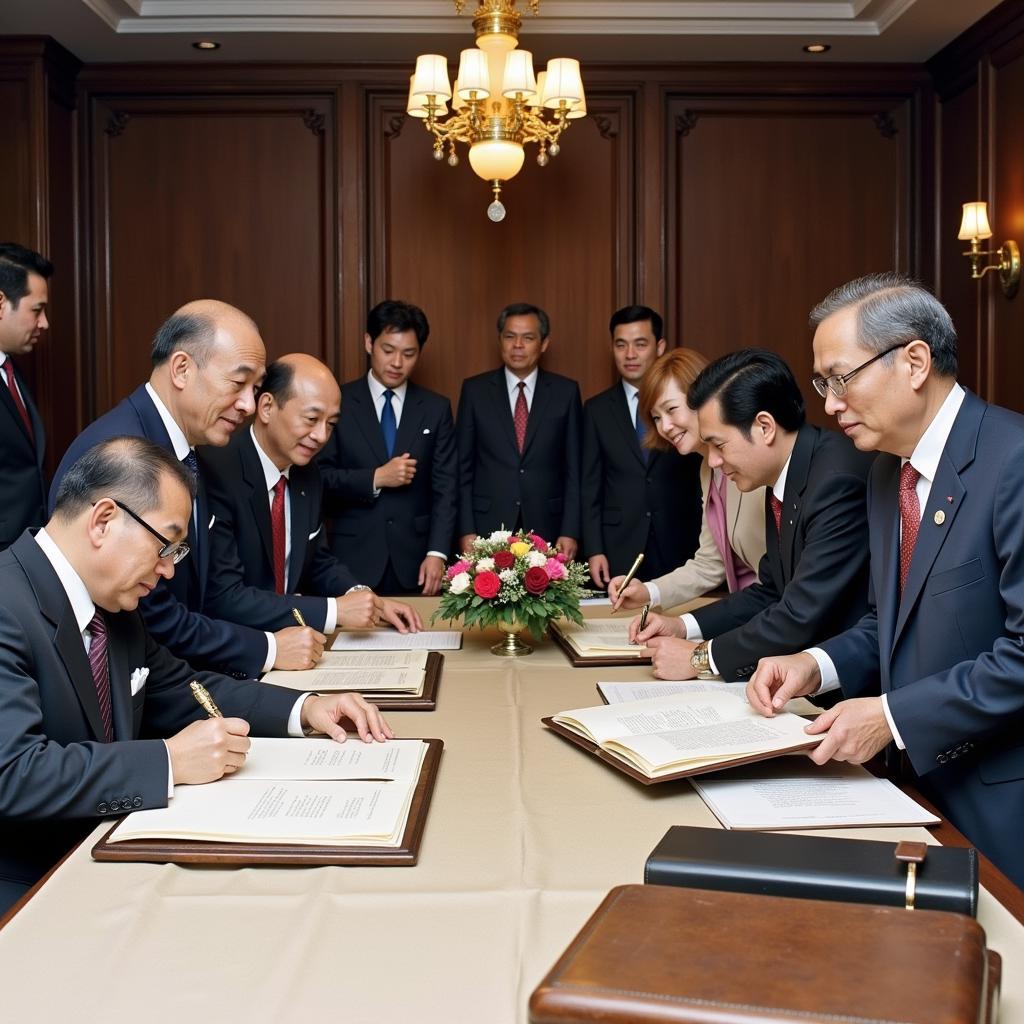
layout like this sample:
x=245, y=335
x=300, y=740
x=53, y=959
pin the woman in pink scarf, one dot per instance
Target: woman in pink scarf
x=732, y=534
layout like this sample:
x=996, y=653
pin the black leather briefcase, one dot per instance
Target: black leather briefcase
x=814, y=867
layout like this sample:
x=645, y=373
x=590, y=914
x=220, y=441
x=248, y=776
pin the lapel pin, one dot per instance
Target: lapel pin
x=940, y=517
x=949, y=498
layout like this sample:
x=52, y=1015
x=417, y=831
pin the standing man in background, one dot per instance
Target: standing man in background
x=389, y=469
x=518, y=432
x=635, y=498
x=23, y=299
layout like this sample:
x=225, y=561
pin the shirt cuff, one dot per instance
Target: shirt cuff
x=271, y=652
x=170, y=773
x=653, y=592
x=826, y=669
x=439, y=554
x=711, y=659
x=690, y=625
x=892, y=725
x=376, y=491
x=295, y=718
x=331, y=618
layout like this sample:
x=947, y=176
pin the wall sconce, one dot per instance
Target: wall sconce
x=973, y=228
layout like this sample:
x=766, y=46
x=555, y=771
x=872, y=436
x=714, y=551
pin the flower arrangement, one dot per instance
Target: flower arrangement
x=510, y=578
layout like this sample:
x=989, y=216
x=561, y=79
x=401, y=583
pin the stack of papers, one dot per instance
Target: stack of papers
x=372, y=672
x=392, y=640
x=598, y=638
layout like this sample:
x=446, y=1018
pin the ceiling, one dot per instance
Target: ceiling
x=593, y=30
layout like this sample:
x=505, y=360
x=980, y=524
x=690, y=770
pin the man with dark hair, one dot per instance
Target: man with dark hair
x=82, y=682
x=23, y=300
x=635, y=499
x=208, y=358
x=936, y=665
x=518, y=433
x=813, y=579
x=270, y=555
x=389, y=470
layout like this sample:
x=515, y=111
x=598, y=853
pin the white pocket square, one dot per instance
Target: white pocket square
x=138, y=679
x=315, y=532
x=213, y=519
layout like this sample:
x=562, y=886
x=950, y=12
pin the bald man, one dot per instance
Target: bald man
x=269, y=553
x=207, y=358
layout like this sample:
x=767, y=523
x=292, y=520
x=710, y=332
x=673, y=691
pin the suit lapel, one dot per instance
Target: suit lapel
x=408, y=428
x=624, y=422
x=55, y=607
x=7, y=400
x=364, y=415
x=884, y=522
x=792, y=499
x=120, y=684
x=500, y=402
x=259, y=500
x=303, y=524
x=38, y=429
x=539, y=407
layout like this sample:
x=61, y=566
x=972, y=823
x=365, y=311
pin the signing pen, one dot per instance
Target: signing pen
x=626, y=580
x=205, y=701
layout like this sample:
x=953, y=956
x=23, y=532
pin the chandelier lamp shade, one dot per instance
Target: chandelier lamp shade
x=498, y=104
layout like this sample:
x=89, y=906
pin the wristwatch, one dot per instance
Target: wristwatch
x=700, y=660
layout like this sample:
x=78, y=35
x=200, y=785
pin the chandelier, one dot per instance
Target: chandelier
x=497, y=105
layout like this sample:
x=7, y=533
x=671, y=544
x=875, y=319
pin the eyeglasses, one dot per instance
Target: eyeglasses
x=838, y=381
x=174, y=551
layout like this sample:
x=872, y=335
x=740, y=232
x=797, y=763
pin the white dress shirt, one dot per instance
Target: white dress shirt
x=925, y=459
x=689, y=622
x=632, y=400
x=512, y=382
x=271, y=475
x=179, y=442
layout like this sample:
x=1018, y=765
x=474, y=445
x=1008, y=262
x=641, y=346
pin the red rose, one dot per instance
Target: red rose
x=504, y=559
x=536, y=580
x=486, y=584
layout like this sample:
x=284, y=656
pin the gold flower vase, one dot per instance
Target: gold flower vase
x=512, y=646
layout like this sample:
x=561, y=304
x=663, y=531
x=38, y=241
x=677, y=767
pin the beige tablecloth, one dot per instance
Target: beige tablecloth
x=526, y=835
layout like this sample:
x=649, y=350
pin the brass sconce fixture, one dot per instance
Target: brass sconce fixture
x=973, y=228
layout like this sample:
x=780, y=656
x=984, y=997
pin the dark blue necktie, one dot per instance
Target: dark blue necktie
x=192, y=462
x=388, y=426
x=641, y=430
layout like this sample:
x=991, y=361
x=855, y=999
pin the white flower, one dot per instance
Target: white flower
x=485, y=565
x=460, y=583
x=536, y=559
x=507, y=576
x=500, y=536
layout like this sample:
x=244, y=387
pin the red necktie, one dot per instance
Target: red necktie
x=520, y=417
x=18, y=403
x=277, y=531
x=100, y=669
x=910, y=518
x=777, y=512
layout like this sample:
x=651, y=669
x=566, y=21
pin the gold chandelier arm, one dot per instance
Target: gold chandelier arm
x=537, y=129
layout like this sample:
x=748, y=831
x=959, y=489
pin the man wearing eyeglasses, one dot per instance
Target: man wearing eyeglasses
x=812, y=581
x=936, y=666
x=208, y=358
x=82, y=682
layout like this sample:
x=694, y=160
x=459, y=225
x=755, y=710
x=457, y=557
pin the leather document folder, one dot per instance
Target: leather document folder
x=686, y=956
x=817, y=867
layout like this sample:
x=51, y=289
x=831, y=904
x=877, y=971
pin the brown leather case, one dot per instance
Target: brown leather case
x=426, y=701
x=658, y=954
x=577, y=660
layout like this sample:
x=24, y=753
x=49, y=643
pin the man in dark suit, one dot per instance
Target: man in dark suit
x=936, y=665
x=518, y=431
x=813, y=579
x=389, y=470
x=207, y=360
x=95, y=717
x=635, y=499
x=23, y=299
x=270, y=556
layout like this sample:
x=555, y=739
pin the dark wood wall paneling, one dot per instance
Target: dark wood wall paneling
x=38, y=208
x=979, y=80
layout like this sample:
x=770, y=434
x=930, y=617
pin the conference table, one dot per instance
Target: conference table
x=526, y=834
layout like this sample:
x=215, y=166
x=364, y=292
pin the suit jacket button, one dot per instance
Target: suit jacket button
x=101, y=807
x=522, y=472
x=942, y=758
x=517, y=504
x=648, y=514
x=137, y=802
x=391, y=522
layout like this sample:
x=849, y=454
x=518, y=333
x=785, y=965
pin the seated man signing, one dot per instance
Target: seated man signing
x=96, y=718
x=813, y=577
x=268, y=545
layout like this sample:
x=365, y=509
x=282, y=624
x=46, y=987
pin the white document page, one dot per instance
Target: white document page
x=309, y=813
x=620, y=693
x=313, y=758
x=392, y=640
x=360, y=661
x=796, y=793
x=366, y=680
x=601, y=636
